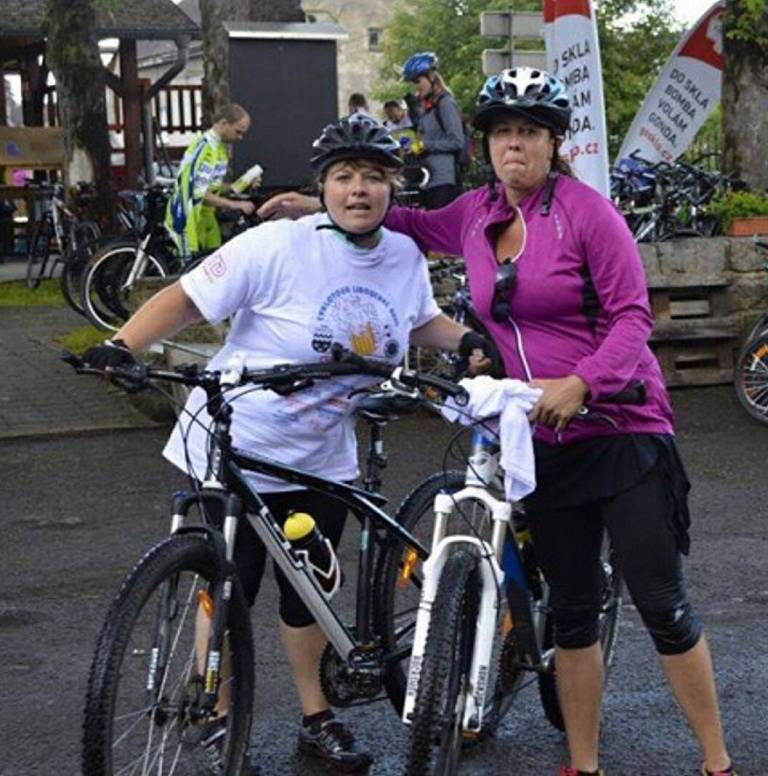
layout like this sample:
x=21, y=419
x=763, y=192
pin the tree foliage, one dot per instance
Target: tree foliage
x=636, y=37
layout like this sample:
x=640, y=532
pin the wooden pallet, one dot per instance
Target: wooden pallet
x=693, y=338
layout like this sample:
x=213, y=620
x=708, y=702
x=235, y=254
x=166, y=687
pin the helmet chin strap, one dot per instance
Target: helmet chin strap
x=356, y=238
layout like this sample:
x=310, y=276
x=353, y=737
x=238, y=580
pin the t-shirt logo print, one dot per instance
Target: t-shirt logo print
x=361, y=319
x=215, y=267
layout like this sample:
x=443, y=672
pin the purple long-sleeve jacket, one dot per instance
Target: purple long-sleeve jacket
x=583, y=241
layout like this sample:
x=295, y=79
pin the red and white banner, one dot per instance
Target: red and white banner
x=685, y=93
x=573, y=55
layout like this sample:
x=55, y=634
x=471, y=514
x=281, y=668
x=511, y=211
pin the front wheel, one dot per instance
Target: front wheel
x=144, y=709
x=108, y=291
x=399, y=580
x=436, y=725
x=751, y=377
x=608, y=630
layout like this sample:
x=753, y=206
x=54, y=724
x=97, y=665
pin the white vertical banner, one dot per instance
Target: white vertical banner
x=573, y=55
x=685, y=93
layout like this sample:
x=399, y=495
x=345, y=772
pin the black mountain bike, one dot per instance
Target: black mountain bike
x=155, y=681
x=115, y=282
x=62, y=236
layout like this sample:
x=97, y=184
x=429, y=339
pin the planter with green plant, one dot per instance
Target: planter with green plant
x=742, y=213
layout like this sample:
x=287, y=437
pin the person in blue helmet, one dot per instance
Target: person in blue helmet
x=440, y=129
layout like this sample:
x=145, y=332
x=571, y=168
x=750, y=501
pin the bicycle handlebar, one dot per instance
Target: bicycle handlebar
x=283, y=377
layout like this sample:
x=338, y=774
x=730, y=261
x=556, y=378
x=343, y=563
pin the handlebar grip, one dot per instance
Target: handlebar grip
x=635, y=393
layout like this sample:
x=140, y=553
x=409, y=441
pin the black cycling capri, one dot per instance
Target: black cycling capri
x=250, y=553
x=640, y=522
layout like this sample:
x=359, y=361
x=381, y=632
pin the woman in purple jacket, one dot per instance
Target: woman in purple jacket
x=557, y=279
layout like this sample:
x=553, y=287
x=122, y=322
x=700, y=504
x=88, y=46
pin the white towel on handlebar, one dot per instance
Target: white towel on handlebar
x=506, y=403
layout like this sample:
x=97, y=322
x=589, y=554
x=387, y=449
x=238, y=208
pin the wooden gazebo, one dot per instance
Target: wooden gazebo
x=22, y=51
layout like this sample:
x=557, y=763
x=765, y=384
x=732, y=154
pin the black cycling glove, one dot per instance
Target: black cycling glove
x=112, y=353
x=472, y=341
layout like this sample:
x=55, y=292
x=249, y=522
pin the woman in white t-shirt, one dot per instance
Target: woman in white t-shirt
x=292, y=288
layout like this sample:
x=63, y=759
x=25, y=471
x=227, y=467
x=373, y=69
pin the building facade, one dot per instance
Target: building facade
x=360, y=57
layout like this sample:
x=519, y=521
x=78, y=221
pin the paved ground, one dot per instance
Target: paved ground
x=41, y=395
x=78, y=510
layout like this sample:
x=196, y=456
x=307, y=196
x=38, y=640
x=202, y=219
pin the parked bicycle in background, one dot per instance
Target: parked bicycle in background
x=61, y=236
x=751, y=373
x=661, y=201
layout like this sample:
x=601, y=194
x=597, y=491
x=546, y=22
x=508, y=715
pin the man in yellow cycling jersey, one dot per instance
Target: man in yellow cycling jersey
x=191, y=211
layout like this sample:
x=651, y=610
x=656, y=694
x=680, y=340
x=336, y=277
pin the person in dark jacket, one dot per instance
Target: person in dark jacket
x=440, y=129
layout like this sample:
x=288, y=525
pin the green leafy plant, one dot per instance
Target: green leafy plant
x=738, y=204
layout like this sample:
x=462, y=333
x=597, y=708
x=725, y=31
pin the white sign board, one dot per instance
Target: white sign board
x=573, y=55
x=685, y=93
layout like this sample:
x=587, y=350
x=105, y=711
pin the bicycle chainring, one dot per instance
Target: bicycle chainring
x=346, y=682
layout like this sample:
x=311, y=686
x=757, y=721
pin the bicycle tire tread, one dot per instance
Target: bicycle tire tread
x=436, y=661
x=408, y=513
x=176, y=553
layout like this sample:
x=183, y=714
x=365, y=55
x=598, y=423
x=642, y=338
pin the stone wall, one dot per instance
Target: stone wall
x=734, y=260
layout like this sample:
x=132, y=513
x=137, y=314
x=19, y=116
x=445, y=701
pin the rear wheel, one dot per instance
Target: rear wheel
x=751, y=379
x=144, y=710
x=87, y=236
x=608, y=629
x=39, y=252
x=436, y=725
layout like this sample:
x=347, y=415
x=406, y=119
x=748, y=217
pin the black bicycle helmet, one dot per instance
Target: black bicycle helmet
x=524, y=91
x=358, y=136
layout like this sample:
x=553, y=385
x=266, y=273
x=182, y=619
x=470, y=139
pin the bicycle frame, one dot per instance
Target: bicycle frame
x=227, y=474
x=501, y=572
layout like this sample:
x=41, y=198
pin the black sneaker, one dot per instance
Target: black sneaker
x=330, y=741
x=212, y=742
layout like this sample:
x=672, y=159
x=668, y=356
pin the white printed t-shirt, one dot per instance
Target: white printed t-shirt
x=294, y=291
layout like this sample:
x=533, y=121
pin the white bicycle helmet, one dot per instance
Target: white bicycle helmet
x=524, y=91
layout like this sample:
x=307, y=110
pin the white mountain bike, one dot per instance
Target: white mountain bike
x=483, y=622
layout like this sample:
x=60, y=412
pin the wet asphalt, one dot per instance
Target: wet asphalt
x=78, y=509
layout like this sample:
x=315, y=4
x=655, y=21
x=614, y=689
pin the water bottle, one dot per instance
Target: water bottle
x=315, y=550
x=247, y=178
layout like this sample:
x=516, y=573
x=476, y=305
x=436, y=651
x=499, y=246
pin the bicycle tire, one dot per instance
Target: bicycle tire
x=76, y=263
x=444, y=677
x=395, y=604
x=608, y=624
x=167, y=713
x=39, y=252
x=105, y=300
x=751, y=378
